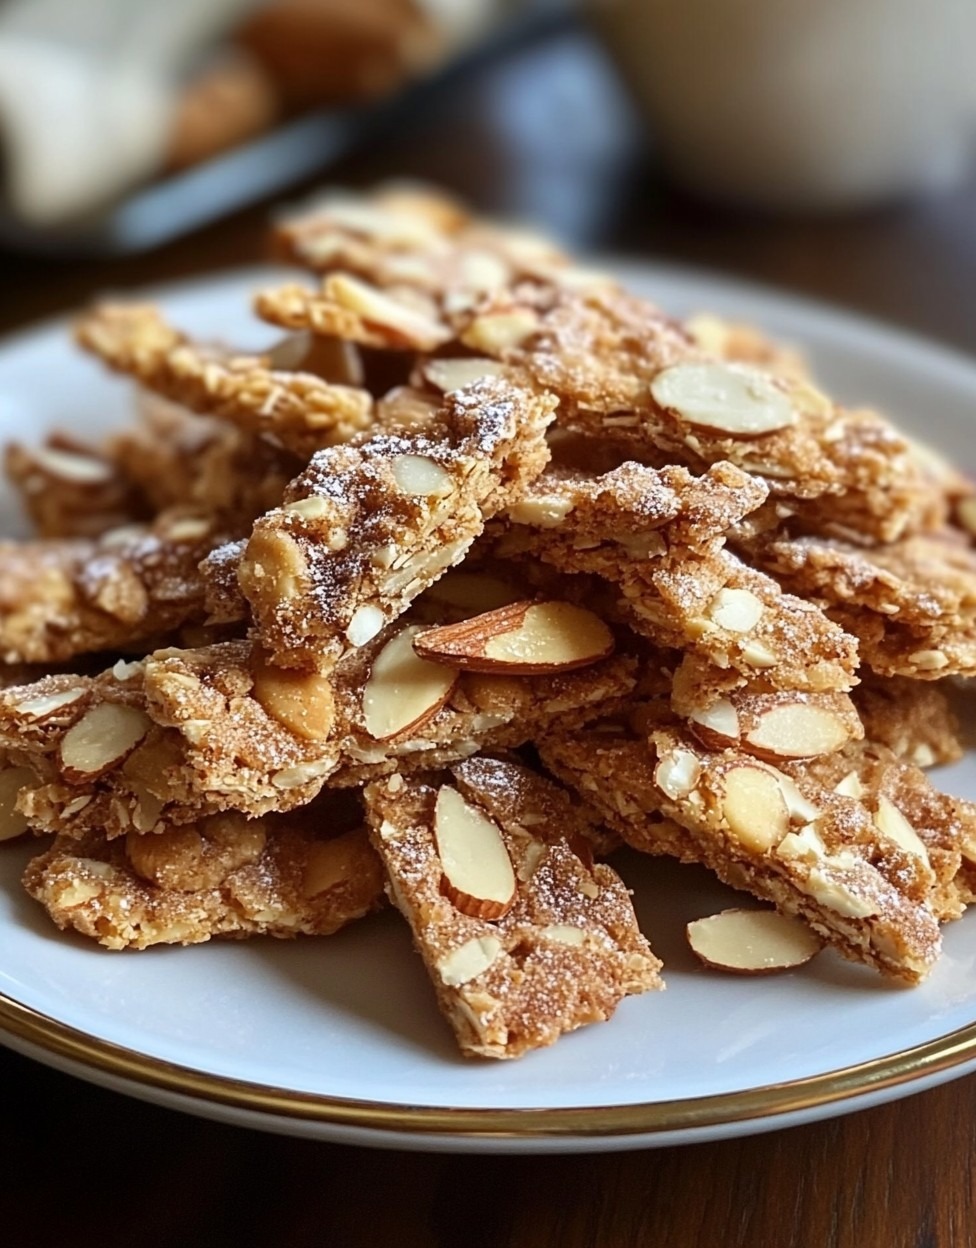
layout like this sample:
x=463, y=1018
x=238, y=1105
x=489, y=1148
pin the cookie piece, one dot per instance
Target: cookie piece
x=911, y=604
x=285, y=875
x=365, y=529
x=63, y=598
x=185, y=734
x=750, y=824
x=298, y=408
x=559, y=950
x=676, y=584
x=906, y=808
x=71, y=490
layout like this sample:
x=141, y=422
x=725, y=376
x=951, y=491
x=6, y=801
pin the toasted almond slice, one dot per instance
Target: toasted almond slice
x=478, y=877
x=403, y=690
x=716, y=726
x=727, y=398
x=416, y=474
x=70, y=466
x=467, y=961
x=497, y=332
x=383, y=312
x=892, y=823
x=100, y=739
x=302, y=701
x=447, y=375
x=677, y=774
x=797, y=730
x=523, y=639
x=12, y=780
x=754, y=807
x=47, y=703
x=752, y=942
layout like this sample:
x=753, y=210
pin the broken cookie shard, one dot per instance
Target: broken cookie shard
x=364, y=530
x=565, y=952
x=225, y=876
x=299, y=409
x=812, y=861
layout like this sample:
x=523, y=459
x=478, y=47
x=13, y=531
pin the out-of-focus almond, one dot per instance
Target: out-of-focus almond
x=525, y=639
x=725, y=398
x=12, y=780
x=498, y=332
x=447, y=375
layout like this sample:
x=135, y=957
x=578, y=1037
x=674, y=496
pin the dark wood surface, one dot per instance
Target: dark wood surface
x=547, y=136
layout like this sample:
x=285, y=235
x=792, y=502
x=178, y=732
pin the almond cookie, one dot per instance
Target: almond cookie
x=64, y=598
x=750, y=823
x=523, y=940
x=365, y=529
x=284, y=875
x=188, y=733
x=298, y=408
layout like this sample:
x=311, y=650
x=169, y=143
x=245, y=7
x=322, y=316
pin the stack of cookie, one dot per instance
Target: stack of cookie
x=486, y=568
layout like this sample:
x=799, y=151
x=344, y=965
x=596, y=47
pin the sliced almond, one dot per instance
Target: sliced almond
x=12, y=780
x=332, y=862
x=716, y=726
x=478, y=877
x=738, y=610
x=497, y=332
x=418, y=475
x=677, y=774
x=45, y=704
x=727, y=398
x=100, y=739
x=404, y=324
x=69, y=466
x=850, y=786
x=543, y=513
x=448, y=375
x=467, y=961
x=366, y=621
x=472, y=591
x=403, y=690
x=889, y=820
x=523, y=639
x=302, y=701
x=272, y=566
x=563, y=934
x=752, y=942
x=797, y=730
x=754, y=807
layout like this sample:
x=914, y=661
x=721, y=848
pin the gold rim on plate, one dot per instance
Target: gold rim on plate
x=893, y=1070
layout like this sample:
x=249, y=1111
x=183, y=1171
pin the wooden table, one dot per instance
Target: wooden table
x=545, y=135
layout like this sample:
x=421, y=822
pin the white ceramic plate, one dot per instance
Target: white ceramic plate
x=339, y=1039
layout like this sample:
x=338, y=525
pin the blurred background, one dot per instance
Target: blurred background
x=827, y=148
